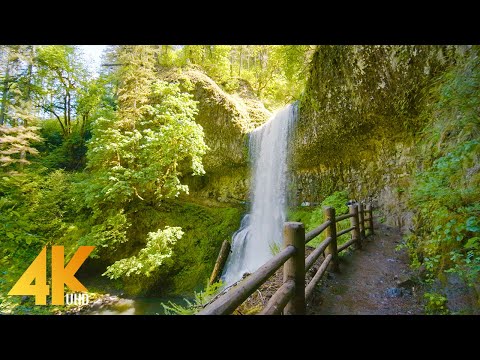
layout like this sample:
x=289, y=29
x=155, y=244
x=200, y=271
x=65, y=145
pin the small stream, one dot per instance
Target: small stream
x=137, y=306
x=115, y=302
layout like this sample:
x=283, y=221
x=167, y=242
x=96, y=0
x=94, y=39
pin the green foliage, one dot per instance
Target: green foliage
x=157, y=251
x=201, y=299
x=312, y=217
x=274, y=73
x=274, y=248
x=338, y=201
x=436, y=304
x=135, y=138
x=15, y=143
x=446, y=192
x=109, y=233
x=213, y=59
x=146, y=161
x=35, y=211
x=144, y=140
x=194, y=255
x=61, y=78
x=59, y=152
x=139, y=155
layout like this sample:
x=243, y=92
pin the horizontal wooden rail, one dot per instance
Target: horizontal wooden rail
x=346, y=245
x=291, y=296
x=227, y=303
x=281, y=297
x=343, y=217
x=343, y=232
x=310, y=260
x=317, y=231
x=321, y=270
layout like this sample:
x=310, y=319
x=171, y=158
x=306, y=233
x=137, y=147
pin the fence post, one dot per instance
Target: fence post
x=362, y=219
x=331, y=230
x=370, y=217
x=294, y=268
x=354, y=223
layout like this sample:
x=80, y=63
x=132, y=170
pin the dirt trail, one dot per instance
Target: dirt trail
x=368, y=281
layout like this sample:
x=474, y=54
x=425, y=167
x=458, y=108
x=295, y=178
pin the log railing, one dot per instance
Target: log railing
x=291, y=297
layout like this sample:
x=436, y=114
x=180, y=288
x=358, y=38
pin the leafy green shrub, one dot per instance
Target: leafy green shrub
x=59, y=152
x=313, y=217
x=35, y=211
x=157, y=251
x=337, y=200
x=436, y=304
x=446, y=191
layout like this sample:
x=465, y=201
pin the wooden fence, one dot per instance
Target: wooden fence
x=292, y=295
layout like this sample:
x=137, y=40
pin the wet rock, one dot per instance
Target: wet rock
x=394, y=292
x=97, y=304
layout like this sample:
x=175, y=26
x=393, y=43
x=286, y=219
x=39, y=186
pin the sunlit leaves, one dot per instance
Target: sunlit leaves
x=157, y=251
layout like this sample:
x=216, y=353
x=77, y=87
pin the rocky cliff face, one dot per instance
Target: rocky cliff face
x=226, y=120
x=359, y=115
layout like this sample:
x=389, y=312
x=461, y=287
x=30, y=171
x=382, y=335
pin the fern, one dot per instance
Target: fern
x=200, y=300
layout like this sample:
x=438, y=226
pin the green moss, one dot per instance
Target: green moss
x=225, y=118
x=194, y=255
x=358, y=95
x=359, y=115
x=445, y=193
x=312, y=216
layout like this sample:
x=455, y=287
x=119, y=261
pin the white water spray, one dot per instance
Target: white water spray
x=261, y=230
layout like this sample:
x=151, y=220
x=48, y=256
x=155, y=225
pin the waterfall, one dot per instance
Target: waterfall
x=261, y=231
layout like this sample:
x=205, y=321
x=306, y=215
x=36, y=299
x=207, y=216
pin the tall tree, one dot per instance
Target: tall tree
x=138, y=152
x=136, y=73
x=60, y=72
x=17, y=114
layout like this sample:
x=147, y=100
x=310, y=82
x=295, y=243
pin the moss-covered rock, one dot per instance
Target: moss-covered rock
x=359, y=117
x=358, y=96
x=226, y=120
x=205, y=227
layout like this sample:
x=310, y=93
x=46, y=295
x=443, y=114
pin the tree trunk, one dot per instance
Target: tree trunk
x=69, y=112
x=84, y=125
x=3, y=111
x=241, y=62
x=28, y=93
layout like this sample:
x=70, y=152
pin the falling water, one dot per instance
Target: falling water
x=260, y=232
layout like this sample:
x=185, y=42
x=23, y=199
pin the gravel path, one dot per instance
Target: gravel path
x=371, y=281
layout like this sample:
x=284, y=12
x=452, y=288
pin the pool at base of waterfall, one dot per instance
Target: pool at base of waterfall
x=115, y=305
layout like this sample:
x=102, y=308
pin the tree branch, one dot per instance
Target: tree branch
x=50, y=110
